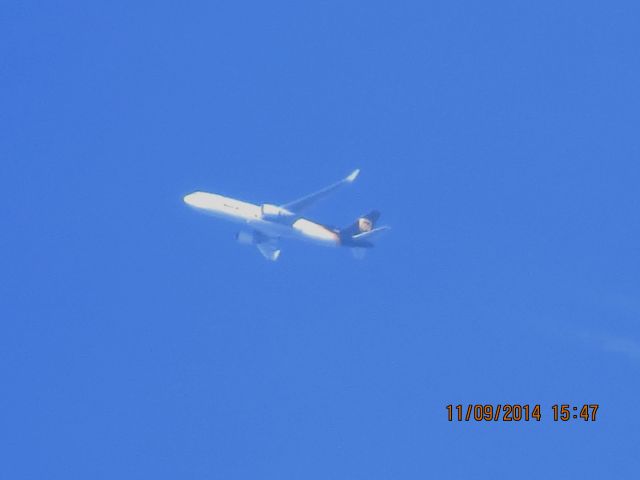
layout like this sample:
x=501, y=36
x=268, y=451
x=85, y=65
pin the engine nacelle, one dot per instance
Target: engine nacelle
x=246, y=238
x=272, y=212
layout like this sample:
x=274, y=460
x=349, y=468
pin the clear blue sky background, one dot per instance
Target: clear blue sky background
x=501, y=142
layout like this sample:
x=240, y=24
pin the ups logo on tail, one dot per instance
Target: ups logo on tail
x=364, y=224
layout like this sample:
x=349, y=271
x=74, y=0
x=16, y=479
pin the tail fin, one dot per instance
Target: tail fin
x=362, y=232
x=363, y=224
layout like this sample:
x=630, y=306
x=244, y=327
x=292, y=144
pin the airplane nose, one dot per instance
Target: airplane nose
x=191, y=199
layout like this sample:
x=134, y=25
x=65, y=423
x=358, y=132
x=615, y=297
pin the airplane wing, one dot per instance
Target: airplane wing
x=267, y=245
x=304, y=202
x=269, y=250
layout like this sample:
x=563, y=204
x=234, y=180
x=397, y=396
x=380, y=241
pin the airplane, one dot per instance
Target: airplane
x=265, y=225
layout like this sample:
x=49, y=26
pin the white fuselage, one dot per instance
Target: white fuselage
x=267, y=219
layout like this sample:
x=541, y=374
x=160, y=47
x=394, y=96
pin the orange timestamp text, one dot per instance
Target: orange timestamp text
x=516, y=412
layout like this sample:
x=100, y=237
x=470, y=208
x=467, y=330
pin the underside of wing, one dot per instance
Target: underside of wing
x=267, y=245
x=305, y=202
x=269, y=250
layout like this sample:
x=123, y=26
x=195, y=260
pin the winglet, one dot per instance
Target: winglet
x=353, y=175
x=269, y=250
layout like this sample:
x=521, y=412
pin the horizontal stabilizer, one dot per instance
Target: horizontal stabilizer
x=371, y=235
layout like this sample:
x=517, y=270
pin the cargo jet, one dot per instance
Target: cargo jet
x=265, y=225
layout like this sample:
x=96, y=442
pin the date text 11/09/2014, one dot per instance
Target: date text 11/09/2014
x=514, y=412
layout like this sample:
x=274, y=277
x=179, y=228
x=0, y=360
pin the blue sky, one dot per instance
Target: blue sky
x=500, y=140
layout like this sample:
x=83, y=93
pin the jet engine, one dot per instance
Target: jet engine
x=246, y=238
x=273, y=212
